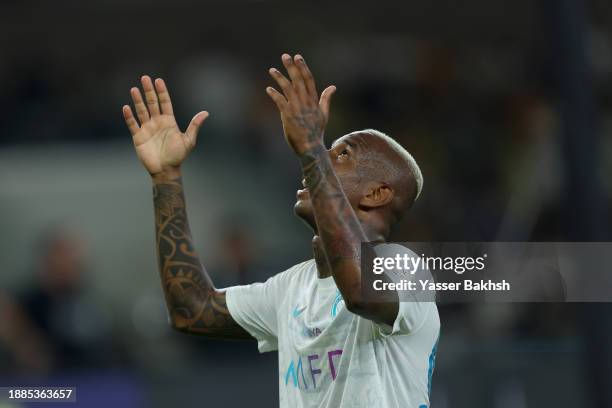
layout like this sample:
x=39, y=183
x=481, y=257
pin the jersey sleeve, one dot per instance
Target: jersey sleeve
x=254, y=307
x=411, y=316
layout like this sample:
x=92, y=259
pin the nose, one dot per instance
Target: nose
x=304, y=182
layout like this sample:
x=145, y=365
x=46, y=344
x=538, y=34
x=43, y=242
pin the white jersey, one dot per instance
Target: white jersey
x=329, y=357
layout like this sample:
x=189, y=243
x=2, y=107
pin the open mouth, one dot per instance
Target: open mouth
x=301, y=193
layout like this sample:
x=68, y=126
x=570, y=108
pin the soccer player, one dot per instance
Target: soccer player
x=336, y=348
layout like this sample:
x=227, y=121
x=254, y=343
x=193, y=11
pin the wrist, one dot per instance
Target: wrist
x=311, y=153
x=169, y=174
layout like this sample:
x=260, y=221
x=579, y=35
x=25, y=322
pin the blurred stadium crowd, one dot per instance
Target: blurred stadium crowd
x=505, y=105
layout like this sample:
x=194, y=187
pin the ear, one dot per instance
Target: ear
x=377, y=195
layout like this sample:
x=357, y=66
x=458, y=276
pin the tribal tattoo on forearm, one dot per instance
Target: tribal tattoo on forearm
x=192, y=301
x=337, y=224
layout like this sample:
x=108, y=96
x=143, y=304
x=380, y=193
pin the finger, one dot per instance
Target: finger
x=325, y=100
x=150, y=95
x=139, y=105
x=284, y=84
x=277, y=97
x=296, y=78
x=194, y=127
x=307, y=76
x=164, y=97
x=130, y=120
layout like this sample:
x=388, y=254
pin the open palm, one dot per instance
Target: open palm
x=159, y=143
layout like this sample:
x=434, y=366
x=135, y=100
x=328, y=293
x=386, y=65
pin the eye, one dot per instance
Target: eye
x=343, y=153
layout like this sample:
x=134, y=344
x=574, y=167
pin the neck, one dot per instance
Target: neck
x=323, y=268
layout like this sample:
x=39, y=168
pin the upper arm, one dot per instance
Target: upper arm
x=410, y=317
x=384, y=311
x=401, y=315
x=395, y=311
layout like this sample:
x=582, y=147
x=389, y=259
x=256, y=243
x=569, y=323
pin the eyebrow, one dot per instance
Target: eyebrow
x=351, y=144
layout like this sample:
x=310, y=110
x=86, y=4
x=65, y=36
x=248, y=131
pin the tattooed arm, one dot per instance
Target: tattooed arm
x=194, y=305
x=304, y=118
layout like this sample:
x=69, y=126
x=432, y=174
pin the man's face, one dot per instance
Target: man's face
x=344, y=154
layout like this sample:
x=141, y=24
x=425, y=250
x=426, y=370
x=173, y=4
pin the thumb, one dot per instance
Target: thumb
x=325, y=99
x=194, y=127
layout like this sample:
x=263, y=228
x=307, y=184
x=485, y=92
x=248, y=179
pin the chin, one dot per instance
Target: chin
x=303, y=209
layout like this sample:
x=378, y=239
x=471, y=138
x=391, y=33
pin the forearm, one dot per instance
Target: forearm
x=340, y=235
x=194, y=305
x=337, y=224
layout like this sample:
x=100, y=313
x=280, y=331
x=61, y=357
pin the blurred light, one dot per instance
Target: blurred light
x=149, y=315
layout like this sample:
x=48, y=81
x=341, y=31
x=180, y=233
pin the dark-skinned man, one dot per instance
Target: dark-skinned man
x=336, y=347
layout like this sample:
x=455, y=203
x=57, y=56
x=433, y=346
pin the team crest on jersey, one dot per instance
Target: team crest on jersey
x=337, y=304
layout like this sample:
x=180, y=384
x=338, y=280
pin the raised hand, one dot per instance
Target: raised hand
x=159, y=143
x=303, y=114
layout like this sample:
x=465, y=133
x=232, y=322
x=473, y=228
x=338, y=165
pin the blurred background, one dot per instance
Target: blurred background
x=506, y=105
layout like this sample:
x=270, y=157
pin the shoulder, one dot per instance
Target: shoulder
x=295, y=273
x=391, y=249
x=302, y=267
x=301, y=270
